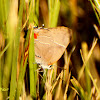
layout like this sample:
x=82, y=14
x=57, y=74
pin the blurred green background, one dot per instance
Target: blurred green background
x=77, y=76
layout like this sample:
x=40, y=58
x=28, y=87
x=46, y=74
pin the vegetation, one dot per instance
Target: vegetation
x=75, y=75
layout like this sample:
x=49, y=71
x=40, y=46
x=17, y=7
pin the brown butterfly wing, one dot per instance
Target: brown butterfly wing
x=43, y=44
x=51, y=44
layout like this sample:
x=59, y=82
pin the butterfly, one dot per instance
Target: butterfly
x=50, y=44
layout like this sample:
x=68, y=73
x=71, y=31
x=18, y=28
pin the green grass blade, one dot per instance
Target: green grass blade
x=87, y=67
x=97, y=3
x=22, y=69
x=13, y=83
x=32, y=66
x=98, y=17
x=79, y=89
x=54, y=7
